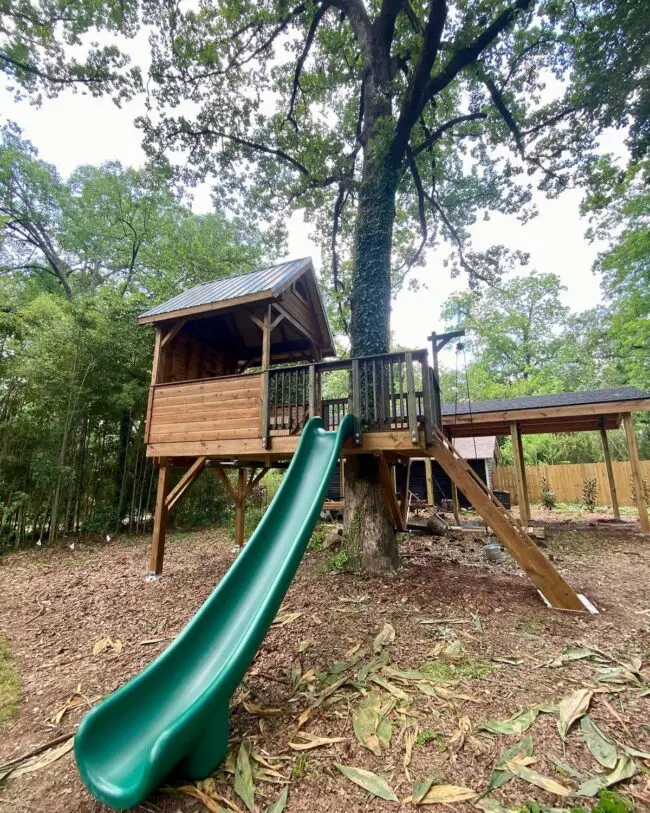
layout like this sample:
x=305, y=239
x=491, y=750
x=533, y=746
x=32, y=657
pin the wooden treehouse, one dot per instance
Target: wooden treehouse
x=239, y=367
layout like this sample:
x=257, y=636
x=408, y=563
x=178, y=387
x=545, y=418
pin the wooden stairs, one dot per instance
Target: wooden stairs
x=514, y=538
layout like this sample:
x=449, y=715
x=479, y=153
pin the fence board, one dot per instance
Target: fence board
x=566, y=481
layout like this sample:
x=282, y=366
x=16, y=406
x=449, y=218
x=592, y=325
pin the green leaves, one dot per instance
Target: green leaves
x=602, y=748
x=517, y=723
x=500, y=776
x=368, y=781
x=625, y=769
x=244, y=785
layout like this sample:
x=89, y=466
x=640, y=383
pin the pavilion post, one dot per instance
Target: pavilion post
x=428, y=472
x=160, y=517
x=610, y=471
x=520, y=474
x=637, y=478
x=454, y=502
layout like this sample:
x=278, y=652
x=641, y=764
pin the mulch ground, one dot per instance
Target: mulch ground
x=488, y=649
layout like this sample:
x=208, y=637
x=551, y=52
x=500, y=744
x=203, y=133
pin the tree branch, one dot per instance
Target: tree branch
x=320, y=13
x=431, y=139
x=470, y=53
x=243, y=142
x=412, y=102
x=506, y=115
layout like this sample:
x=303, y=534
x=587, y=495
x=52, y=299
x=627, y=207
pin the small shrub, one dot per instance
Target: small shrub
x=645, y=487
x=589, y=490
x=299, y=767
x=426, y=736
x=547, y=497
x=338, y=561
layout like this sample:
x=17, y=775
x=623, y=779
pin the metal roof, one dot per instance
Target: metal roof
x=273, y=279
x=545, y=401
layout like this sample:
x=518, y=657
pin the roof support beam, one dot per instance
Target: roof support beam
x=610, y=471
x=637, y=477
x=520, y=474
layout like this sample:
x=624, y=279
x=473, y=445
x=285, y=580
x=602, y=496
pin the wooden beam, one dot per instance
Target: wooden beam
x=185, y=482
x=160, y=518
x=520, y=474
x=254, y=479
x=404, y=496
x=455, y=506
x=240, y=518
x=529, y=557
x=266, y=339
x=155, y=367
x=226, y=483
x=428, y=472
x=386, y=481
x=610, y=471
x=172, y=332
x=637, y=477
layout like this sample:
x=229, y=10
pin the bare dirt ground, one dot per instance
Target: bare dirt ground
x=482, y=644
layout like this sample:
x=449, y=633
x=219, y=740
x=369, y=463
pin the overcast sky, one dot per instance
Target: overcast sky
x=75, y=129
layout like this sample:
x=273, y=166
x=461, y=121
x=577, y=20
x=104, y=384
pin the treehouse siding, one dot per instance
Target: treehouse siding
x=218, y=409
x=187, y=358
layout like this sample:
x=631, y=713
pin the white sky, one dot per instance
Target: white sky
x=76, y=129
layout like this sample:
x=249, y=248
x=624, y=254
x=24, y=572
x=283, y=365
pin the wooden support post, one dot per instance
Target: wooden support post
x=312, y=390
x=427, y=401
x=411, y=403
x=387, y=482
x=637, y=477
x=610, y=471
x=455, y=507
x=356, y=401
x=240, y=518
x=428, y=471
x=404, y=497
x=520, y=474
x=160, y=517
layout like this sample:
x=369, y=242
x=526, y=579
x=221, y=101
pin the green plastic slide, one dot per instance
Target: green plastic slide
x=172, y=718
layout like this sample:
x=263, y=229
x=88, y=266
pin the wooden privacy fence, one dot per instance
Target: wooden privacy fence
x=566, y=481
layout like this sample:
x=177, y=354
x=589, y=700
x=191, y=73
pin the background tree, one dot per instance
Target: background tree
x=74, y=366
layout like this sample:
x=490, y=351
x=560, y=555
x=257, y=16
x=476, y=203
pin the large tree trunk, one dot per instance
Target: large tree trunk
x=368, y=524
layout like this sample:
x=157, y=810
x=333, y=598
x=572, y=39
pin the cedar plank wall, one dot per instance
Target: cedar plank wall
x=187, y=358
x=226, y=408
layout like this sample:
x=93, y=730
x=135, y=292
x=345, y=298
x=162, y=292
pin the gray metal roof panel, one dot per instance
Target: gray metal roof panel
x=273, y=278
x=545, y=401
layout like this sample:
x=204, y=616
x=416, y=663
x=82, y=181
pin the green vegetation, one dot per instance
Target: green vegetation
x=9, y=682
x=80, y=258
x=444, y=672
x=299, y=767
x=425, y=736
x=609, y=801
x=547, y=497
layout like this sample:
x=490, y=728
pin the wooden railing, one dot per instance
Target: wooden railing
x=381, y=394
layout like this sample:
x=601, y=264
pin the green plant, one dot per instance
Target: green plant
x=299, y=767
x=546, y=496
x=425, y=735
x=9, y=682
x=609, y=801
x=338, y=561
x=317, y=537
x=644, y=486
x=444, y=672
x=589, y=490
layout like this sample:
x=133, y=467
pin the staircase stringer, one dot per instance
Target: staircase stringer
x=522, y=548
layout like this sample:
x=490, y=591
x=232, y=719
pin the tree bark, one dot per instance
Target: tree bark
x=368, y=523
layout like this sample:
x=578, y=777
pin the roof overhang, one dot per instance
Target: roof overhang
x=569, y=418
